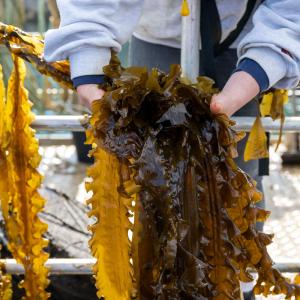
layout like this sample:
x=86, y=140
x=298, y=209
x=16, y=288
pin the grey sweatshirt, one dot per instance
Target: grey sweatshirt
x=90, y=28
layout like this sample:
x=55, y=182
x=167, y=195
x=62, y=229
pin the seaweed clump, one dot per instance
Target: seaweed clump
x=194, y=210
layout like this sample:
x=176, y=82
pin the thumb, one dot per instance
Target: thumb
x=217, y=104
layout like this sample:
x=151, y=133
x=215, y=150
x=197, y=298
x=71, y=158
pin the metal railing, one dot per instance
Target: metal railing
x=74, y=123
x=83, y=266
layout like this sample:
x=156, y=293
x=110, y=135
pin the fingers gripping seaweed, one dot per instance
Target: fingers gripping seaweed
x=195, y=209
x=20, y=199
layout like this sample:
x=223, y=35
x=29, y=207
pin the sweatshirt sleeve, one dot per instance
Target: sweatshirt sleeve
x=89, y=29
x=274, y=42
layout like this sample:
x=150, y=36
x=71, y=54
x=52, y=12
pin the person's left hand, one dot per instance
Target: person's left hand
x=87, y=93
x=238, y=91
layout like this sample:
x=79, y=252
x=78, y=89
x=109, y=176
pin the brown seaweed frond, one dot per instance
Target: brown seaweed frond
x=196, y=209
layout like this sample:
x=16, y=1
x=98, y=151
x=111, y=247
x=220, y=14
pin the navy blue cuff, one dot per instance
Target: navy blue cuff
x=88, y=79
x=256, y=71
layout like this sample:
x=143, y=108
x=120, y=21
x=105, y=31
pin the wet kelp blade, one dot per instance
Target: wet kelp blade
x=31, y=48
x=196, y=209
x=256, y=146
x=3, y=161
x=110, y=244
x=5, y=280
x=2, y=104
x=22, y=203
x=271, y=105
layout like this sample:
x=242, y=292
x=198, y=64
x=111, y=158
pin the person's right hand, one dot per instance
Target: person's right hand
x=238, y=91
x=87, y=93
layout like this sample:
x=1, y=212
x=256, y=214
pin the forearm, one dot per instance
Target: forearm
x=269, y=56
x=88, y=31
x=274, y=42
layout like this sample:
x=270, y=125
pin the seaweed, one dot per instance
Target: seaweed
x=109, y=242
x=31, y=48
x=194, y=209
x=5, y=284
x=5, y=280
x=271, y=104
x=19, y=183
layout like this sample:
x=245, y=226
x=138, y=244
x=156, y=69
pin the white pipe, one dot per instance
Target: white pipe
x=58, y=123
x=190, y=41
x=57, y=266
x=83, y=266
x=291, y=124
x=73, y=123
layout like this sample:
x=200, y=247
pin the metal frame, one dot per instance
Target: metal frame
x=74, y=123
x=190, y=41
x=83, y=266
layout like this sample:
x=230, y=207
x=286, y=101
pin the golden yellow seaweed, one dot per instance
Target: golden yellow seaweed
x=22, y=202
x=280, y=98
x=5, y=284
x=256, y=146
x=110, y=244
x=3, y=165
x=265, y=105
x=5, y=280
x=31, y=48
x=2, y=104
x=271, y=105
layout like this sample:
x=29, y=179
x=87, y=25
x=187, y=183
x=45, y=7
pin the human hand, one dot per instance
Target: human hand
x=87, y=93
x=238, y=91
